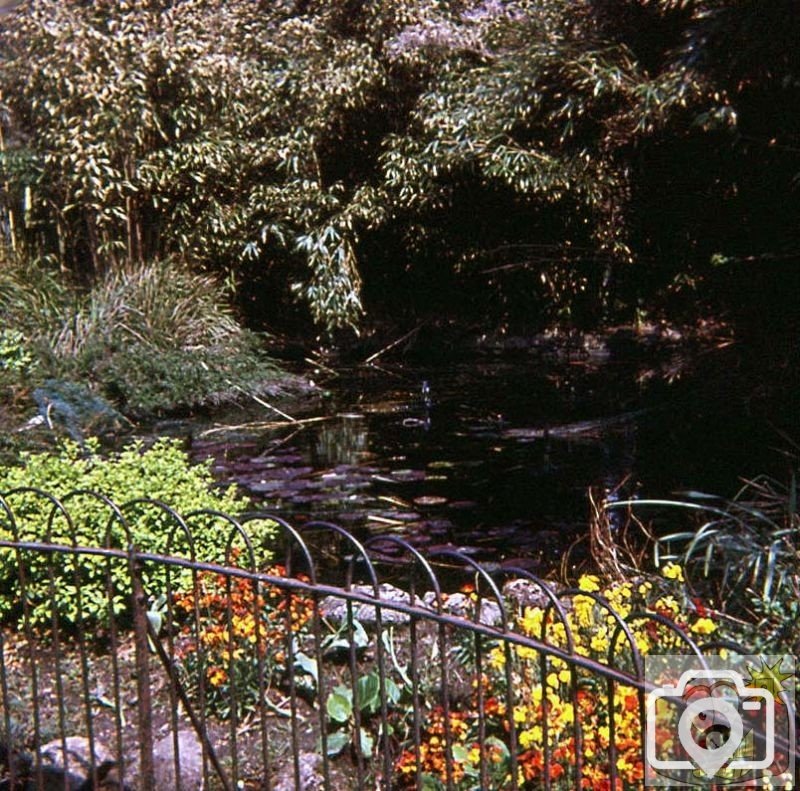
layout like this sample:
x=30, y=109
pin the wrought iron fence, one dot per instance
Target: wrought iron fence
x=199, y=650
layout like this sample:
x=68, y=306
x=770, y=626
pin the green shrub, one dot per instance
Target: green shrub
x=150, y=380
x=15, y=357
x=159, y=336
x=160, y=304
x=162, y=472
x=33, y=297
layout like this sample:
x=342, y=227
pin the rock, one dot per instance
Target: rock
x=335, y=609
x=461, y=604
x=310, y=778
x=78, y=755
x=190, y=760
x=76, y=408
x=525, y=593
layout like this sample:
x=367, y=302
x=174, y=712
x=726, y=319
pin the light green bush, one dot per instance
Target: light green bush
x=77, y=586
x=15, y=357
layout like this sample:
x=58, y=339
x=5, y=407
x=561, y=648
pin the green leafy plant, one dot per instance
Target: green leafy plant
x=342, y=703
x=741, y=555
x=153, y=338
x=75, y=587
x=159, y=336
x=16, y=358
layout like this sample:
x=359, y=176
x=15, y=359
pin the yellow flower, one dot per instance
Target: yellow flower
x=583, y=608
x=589, y=583
x=217, y=676
x=623, y=764
x=497, y=659
x=599, y=642
x=530, y=737
x=668, y=603
x=704, y=626
x=532, y=621
x=672, y=571
x=622, y=609
x=557, y=633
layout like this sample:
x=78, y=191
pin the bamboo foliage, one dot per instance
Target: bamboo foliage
x=281, y=133
x=184, y=129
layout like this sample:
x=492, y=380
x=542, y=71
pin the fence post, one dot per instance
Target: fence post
x=144, y=701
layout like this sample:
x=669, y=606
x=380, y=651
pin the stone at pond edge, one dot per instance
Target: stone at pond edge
x=335, y=608
x=517, y=594
x=462, y=605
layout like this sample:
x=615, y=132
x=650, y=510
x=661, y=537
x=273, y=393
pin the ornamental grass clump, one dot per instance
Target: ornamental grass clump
x=161, y=336
x=558, y=710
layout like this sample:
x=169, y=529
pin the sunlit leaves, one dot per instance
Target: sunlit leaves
x=278, y=134
x=190, y=128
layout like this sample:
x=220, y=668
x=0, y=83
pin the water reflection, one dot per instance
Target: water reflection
x=341, y=440
x=496, y=459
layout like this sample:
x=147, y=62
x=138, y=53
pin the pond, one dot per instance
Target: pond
x=496, y=457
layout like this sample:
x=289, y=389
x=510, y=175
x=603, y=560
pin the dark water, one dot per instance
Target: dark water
x=433, y=453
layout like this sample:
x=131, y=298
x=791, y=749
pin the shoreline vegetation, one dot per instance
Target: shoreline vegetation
x=153, y=340
x=180, y=177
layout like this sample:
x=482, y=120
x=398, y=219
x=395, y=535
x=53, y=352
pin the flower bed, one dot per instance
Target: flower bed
x=564, y=720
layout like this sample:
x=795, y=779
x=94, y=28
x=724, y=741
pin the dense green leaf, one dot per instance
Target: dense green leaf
x=340, y=705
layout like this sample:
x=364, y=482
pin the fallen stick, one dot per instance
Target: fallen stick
x=265, y=425
x=392, y=345
x=265, y=404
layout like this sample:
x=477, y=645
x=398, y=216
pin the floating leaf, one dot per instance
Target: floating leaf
x=430, y=499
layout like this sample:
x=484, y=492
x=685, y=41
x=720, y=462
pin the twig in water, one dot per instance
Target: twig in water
x=259, y=426
x=265, y=404
x=393, y=344
x=320, y=365
x=385, y=520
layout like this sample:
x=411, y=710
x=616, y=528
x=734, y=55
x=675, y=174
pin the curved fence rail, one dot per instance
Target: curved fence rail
x=144, y=648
